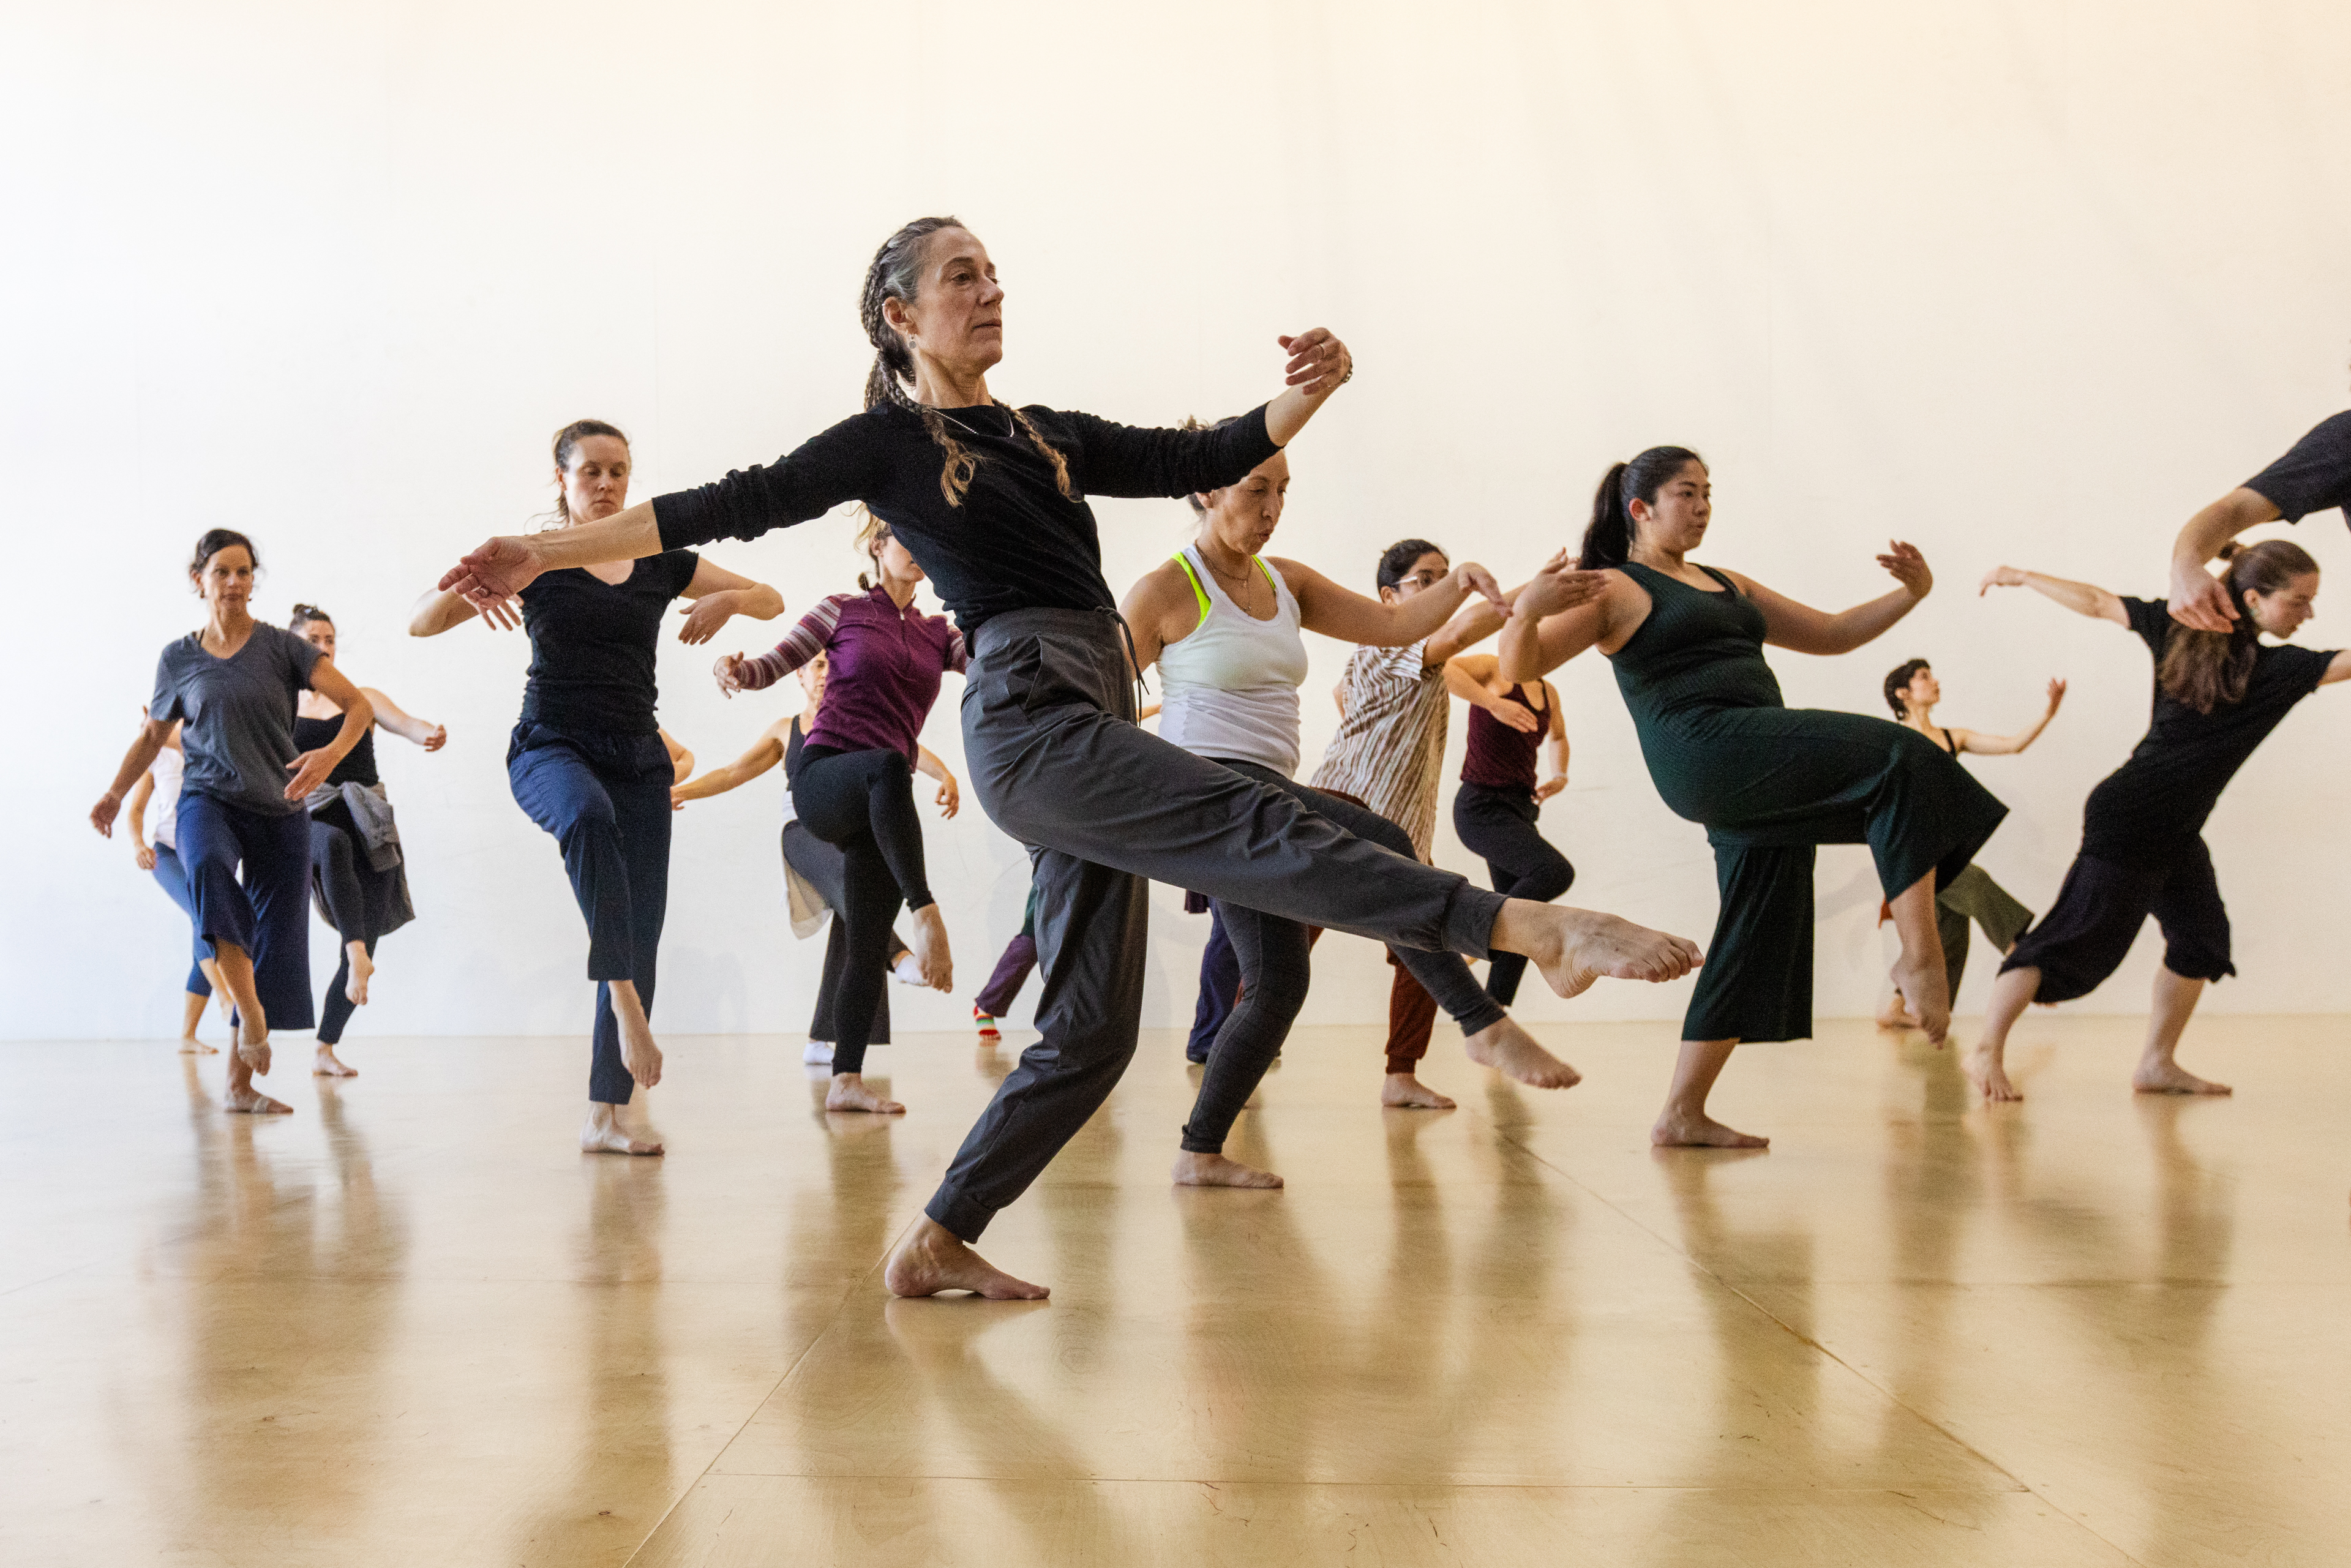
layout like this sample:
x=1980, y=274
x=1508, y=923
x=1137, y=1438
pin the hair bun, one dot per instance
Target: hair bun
x=2231, y=551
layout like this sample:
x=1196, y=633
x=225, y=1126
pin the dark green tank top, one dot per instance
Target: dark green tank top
x=1697, y=651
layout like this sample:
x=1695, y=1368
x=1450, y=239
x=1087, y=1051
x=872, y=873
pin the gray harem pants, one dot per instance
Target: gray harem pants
x=1106, y=807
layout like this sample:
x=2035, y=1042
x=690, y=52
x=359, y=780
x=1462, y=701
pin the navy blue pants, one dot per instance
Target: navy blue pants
x=267, y=913
x=1220, y=988
x=605, y=797
x=172, y=877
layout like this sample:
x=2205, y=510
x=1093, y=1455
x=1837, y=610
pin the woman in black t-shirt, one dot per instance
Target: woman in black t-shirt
x=2314, y=476
x=588, y=762
x=2217, y=698
x=358, y=874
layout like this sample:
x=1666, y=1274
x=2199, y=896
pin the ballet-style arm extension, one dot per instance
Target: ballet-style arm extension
x=2081, y=598
x=311, y=767
x=2198, y=600
x=437, y=609
x=492, y=573
x=718, y=595
x=1319, y=364
x=1791, y=624
x=408, y=726
x=1325, y=607
x=1560, y=611
x=1977, y=744
x=765, y=753
x=135, y=763
x=808, y=638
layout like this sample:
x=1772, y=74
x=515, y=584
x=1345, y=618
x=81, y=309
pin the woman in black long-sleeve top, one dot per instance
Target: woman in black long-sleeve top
x=991, y=501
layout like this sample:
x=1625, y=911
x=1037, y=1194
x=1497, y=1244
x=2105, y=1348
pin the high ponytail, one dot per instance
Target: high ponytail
x=1608, y=539
x=2205, y=670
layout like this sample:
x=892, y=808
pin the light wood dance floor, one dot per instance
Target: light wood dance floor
x=410, y=1324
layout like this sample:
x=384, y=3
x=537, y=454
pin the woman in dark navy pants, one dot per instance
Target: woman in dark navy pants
x=588, y=762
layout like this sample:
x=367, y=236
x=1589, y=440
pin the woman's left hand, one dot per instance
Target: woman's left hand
x=438, y=739
x=1319, y=362
x=309, y=770
x=705, y=615
x=1550, y=786
x=1908, y=567
x=2056, y=693
x=950, y=798
x=1471, y=578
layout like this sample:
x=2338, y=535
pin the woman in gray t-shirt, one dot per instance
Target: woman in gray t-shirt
x=231, y=686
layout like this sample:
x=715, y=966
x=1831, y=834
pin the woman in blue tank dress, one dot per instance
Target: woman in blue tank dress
x=588, y=762
x=244, y=834
x=1770, y=782
x=992, y=500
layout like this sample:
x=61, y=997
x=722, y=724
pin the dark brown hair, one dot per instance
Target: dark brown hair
x=1898, y=681
x=1608, y=540
x=306, y=613
x=215, y=541
x=1397, y=561
x=2207, y=669
x=566, y=447
x=896, y=273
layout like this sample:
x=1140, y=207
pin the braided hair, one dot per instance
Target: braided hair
x=896, y=273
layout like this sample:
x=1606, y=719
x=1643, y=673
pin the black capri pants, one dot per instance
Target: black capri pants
x=2099, y=912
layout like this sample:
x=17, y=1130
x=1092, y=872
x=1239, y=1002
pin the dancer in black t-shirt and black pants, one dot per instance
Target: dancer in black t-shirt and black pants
x=2313, y=476
x=2217, y=696
x=588, y=762
x=991, y=500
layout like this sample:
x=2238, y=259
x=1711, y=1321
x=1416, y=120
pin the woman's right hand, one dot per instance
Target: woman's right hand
x=102, y=815
x=489, y=577
x=1561, y=584
x=2056, y=694
x=728, y=671
x=2000, y=577
x=145, y=856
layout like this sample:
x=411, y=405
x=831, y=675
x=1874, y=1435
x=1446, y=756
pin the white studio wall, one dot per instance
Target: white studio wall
x=2018, y=282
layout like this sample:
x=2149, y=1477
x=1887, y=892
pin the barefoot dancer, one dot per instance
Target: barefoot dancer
x=588, y=764
x=230, y=687
x=160, y=783
x=991, y=500
x=1226, y=627
x=2217, y=696
x=815, y=871
x=1769, y=781
x=1496, y=808
x=1912, y=692
x=358, y=872
x=1389, y=754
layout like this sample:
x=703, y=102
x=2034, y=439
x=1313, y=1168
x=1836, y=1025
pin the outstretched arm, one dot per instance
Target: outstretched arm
x=2081, y=598
x=2198, y=600
x=1981, y=745
x=1334, y=612
x=408, y=726
x=1805, y=629
x=718, y=595
x=437, y=609
x=1319, y=365
x=765, y=753
x=1562, y=611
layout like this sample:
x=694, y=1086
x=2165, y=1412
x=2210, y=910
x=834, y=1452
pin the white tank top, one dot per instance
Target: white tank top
x=1230, y=689
x=167, y=769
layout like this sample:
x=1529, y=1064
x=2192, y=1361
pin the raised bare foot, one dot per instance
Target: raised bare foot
x=1989, y=1076
x=848, y=1092
x=1405, y=1092
x=2171, y=1078
x=362, y=971
x=929, y=948
x=1701, y=1132
x=934, y=1259
x=1193, y=1169
x=191, y=1046
x=1575, y=947
x=328, y=1065
x=639, y=1054
x=1928, y=993
x=254, y=1101
x=1512, y=1052
x=603, y=1135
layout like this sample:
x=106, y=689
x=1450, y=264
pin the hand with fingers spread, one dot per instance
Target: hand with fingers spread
x=729, y=672
x=1561, y=584
x=1903, y=561
x=1319, y=363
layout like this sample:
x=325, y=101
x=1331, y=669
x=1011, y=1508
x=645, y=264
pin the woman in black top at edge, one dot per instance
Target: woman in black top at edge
x=2217, y=696
x=588, y=764
x=363, y=902
x=991, y=501
x=2314, y=476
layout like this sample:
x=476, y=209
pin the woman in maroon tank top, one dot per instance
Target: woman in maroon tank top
x=1494, y=812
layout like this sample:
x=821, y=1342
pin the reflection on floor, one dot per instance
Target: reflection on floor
x=411, y=1325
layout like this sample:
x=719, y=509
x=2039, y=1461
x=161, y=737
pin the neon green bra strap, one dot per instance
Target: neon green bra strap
x=1201, y=594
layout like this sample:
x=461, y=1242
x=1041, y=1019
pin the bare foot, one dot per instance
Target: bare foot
x=1986, y=1072
x=1407, y=1092
x=1512, y=1052
x=1927, y=994
x=848, y=1093
x=1701, y=1132
x=328, y=1065
x=362, y=971
x=930, y=948
x=1575, y=947
x=1896, y=1014
x=603, y=1135
x=252, y=1101
x=2171, y=1078
x=639, y=1054
x=934, y=1259
x=191, y=1046
x=1193, y=1169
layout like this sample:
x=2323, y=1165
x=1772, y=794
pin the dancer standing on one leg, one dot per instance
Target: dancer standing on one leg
x=815, y=871
x=1971, y=897
x=1769, y=781
x=161, y=784
x=854, y=784
x=358, y=870
x=992, y=501
x=1389, y=754
x=2218, y=695
x=588, y=764
x=1499, y=801
x=231, y=686
x=1226, y=626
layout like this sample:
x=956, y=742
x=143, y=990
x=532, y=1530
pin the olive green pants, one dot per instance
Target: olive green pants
x=1972, y=895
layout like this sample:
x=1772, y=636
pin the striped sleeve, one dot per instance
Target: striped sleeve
x=804, y=642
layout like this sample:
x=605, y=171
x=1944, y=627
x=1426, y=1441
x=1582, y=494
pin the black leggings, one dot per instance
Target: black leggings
x=337, y=1010
x=1498, y=826
x=862, y=802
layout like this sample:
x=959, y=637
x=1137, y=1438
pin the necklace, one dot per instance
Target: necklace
x=1249, y=584
x=959, y=424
